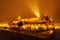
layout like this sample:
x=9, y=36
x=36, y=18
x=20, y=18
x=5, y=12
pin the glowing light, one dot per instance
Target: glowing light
x=1, y=24
x=35, y=11
x=19, y=17
x=33, y=19
x=44, y=27
x=33, y=5
x=24, y=27
x=36, y=27
x=32, y=25
x=15, y=21
x=57, y=27
x=4, y=25
x=50, y=26
x=51, y=31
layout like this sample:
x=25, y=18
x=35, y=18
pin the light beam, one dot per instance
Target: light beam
x=33, y=5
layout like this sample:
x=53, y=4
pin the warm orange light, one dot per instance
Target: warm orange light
x=51, y=31
x=4, y=25
x=19, y=17
x=24, y=27
x=33, y=5
x=15, y=21
x=34, y=19
x=57, y=27
x=37, y=27
x=50, y=26
x=35, y=11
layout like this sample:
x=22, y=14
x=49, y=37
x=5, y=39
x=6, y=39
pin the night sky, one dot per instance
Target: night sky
x=11, y=9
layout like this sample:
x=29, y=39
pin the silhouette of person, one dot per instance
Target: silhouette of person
x=19, y=25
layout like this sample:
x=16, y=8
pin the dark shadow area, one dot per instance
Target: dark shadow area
x=7, y=35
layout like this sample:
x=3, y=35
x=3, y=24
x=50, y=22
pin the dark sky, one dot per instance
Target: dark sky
x=11, y=9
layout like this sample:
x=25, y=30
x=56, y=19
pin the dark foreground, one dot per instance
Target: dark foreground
x=7, y=35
